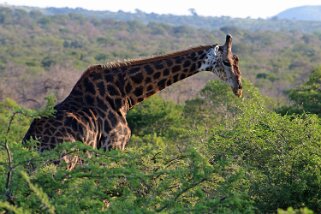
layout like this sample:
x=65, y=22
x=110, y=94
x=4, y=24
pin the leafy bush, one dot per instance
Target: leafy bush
x=281, y=157
x=251, y=160
x=307, y=97
x=154, y=115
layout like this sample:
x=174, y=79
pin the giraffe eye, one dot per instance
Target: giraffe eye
x=227, y=63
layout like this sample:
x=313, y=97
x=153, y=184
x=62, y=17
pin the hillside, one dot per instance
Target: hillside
x=68, y=44
x=305, y=13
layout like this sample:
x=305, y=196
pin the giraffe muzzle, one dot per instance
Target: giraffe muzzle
x=238, y=92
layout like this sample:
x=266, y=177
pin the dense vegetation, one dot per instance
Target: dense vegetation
x=216, y=153
x=213, y=153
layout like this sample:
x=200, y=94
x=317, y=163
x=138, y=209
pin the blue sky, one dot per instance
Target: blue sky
x=233, y=8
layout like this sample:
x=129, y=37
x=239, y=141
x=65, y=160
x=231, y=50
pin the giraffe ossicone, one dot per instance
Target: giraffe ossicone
x=95, y=110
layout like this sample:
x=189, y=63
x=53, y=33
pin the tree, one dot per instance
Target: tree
x=154, y=115
x=307, y=97
x=193, y=11
x=280, y=156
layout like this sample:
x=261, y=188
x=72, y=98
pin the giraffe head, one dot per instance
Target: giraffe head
x=222, y=62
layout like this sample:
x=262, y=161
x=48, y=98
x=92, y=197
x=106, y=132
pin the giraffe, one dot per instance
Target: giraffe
x=95, y=110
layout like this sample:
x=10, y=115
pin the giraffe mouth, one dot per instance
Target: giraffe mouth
x=238, y=92
x=237, y=88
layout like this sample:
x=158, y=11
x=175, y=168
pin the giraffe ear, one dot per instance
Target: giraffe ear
x=228, y=43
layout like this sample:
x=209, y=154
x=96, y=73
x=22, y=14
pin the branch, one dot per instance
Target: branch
x=172, y=161
x=10, y=122
x=182, y=192
x=8, y=190
x=189, y=187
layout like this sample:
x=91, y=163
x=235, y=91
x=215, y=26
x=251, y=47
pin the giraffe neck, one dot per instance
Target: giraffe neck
x=144, y=78
x=120, y=86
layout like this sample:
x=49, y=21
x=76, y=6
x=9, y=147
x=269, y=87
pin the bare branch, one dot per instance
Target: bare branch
x=11, y=120
x=8, y=190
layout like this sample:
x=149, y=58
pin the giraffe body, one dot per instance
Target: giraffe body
x=95, y=110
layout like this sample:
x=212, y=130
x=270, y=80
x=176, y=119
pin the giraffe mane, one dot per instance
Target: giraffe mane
x=236, y=66
x=137, y=61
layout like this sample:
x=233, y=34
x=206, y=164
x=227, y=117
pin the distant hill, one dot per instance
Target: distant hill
x=194, y=20
x=206, y=22
x=304, y=13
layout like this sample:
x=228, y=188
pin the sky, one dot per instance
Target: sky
x=232, y=8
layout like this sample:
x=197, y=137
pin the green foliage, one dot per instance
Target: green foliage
x=307, y=97
x=9, y=207
x=15, y=120
x=215, y=154
x=290, y=210
x=280, y=155
x=12, y=119
x=154, y=115
x=217, y=106
x=40, y=194
x=47, y=62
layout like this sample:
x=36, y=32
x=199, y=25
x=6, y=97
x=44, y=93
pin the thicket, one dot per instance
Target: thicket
x=214, y=154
